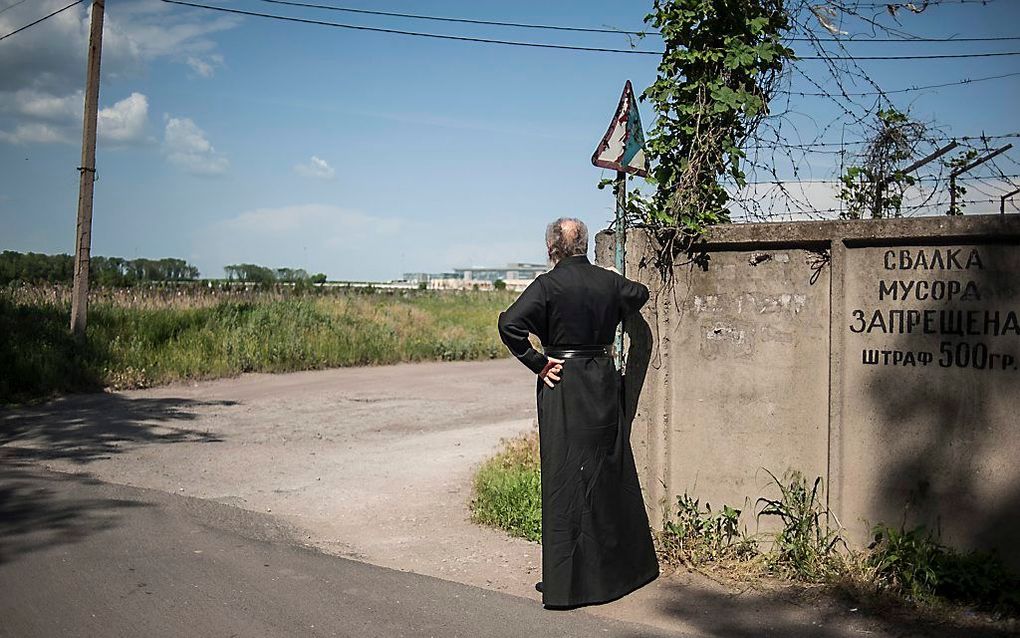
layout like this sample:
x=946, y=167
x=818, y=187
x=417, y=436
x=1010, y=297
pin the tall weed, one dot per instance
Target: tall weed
x=805, y=546
x=144, y=337
x=697, y=536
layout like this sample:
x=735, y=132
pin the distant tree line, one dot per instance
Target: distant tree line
x=39, y=268
x=263, y=275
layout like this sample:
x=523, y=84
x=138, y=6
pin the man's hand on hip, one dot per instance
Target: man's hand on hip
x=551, y=372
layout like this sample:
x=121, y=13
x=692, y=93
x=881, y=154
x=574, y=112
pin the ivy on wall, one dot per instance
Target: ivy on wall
x=721, y=63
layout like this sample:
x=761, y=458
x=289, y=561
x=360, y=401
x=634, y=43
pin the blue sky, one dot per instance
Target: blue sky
x=362, y=155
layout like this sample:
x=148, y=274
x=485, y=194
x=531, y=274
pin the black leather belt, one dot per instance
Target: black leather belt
x=571, y=352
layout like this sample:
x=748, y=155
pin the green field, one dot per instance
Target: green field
x=140, y=337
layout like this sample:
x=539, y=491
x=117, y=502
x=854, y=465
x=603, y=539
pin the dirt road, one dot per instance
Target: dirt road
x=373, y=463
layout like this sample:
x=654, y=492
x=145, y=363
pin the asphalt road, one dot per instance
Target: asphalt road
x=248, y=497
x=79, y=557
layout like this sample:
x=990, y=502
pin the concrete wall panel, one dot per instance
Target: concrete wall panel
x=834, y=348
x=931, y=399
x=749, y=374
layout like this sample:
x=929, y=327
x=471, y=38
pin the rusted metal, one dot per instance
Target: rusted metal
x=1002, y=200
x=963, y=169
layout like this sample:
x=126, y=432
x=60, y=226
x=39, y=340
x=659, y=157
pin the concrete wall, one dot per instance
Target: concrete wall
x=880, y=355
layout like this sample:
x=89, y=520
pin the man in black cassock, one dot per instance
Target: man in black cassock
x=596, y=543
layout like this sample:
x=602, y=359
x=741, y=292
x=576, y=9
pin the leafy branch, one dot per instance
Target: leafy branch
x=717, y=75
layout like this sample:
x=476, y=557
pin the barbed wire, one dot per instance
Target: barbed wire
x=782, y=166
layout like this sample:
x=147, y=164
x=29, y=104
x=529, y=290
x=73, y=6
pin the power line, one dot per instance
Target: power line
x=925, y=3
x=542, y=45
x=495, y=23
x=436, y=36
x=933, y=56
x=866, y=40
x=46, y=17
x=556, y=27
x=13, y=5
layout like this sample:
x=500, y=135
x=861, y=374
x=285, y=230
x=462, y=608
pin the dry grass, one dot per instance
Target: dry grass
x=145, y=336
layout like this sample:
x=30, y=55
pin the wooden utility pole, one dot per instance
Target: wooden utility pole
x=86, y=186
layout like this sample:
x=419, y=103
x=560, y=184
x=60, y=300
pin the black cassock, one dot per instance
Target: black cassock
x=596, y=543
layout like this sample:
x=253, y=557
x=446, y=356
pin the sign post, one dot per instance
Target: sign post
x=622, y=149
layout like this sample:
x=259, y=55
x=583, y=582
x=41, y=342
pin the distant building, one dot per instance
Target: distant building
x=516, y=276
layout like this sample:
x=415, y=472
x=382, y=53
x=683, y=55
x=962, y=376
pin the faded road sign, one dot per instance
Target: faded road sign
x=623, y=147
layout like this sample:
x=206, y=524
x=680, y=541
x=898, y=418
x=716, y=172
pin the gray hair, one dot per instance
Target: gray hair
x=566, y=237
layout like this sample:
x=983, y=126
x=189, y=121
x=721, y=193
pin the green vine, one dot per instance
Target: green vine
x=956, y=190
x=721, y=62
x=875, y=186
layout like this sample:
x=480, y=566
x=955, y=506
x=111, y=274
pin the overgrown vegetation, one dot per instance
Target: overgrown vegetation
x=716, y=77
x=807, y=545
x=142, y=337
x=875, y=184
x=915, y=564
x=957, y=190
x=508, y=489
x=697, y=536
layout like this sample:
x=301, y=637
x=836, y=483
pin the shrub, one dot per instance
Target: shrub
x=914, y=563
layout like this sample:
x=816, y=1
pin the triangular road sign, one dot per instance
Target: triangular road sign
x=623, y=147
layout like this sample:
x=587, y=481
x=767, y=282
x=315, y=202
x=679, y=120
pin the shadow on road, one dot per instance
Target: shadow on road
x=39, y=509
x=798, y=613
x=85, y=428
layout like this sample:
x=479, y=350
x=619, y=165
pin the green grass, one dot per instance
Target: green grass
x=914, y=563
x=905, y=570
x=508, y=490
x=909, y=569
x=138, y=339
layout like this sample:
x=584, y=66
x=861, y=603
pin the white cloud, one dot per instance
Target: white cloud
x=125, y=121
x=187, y=147
x=205, y=66
x=35, y=132
x=327, y=223
x=44, y=106
x=41, y=68
x=315, y=167
x=50, y=119
x=51, y=56
x=318, y=237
